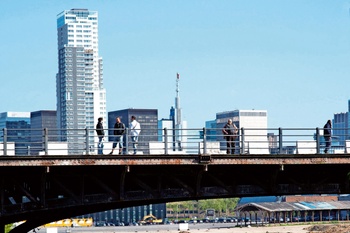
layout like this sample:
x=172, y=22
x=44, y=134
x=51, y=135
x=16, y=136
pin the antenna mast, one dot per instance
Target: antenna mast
x=178, y=120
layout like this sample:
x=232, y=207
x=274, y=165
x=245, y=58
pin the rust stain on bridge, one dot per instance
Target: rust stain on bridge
x=173, y=160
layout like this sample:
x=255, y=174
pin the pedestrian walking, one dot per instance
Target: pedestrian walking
x=135, y=130
x=100, y=133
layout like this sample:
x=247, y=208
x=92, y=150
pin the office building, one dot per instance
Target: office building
x=43, y=120
x=16, y=128
x=148, y=119
x=340, y=128
x=254, y=123
x=81, y=97
x=340, y=125
x=211, y=130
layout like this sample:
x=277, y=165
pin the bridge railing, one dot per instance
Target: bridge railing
x=172, y=141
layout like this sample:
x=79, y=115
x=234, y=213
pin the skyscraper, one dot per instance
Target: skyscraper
x=81, y=97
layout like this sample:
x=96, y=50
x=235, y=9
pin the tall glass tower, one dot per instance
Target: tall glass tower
x=81, y=97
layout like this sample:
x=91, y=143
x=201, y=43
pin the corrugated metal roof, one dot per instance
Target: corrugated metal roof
x=294, y=206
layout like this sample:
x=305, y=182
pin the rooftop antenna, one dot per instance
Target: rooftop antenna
x=178, y=125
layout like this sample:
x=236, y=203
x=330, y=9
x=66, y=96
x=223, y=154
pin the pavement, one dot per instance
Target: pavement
x=199, y=228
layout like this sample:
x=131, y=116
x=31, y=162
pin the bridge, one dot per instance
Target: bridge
x=53, y=185
x=47, y=188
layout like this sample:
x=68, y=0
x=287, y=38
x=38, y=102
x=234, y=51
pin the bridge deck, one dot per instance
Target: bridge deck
x=83, y=160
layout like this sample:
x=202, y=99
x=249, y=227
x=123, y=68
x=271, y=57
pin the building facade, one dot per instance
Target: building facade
x=16, y=128
x=148, y=119
x=254, y=123
x=81, y=96
x=128, y=215
x=40, y=121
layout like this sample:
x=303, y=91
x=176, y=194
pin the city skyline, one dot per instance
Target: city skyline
x=290, y=58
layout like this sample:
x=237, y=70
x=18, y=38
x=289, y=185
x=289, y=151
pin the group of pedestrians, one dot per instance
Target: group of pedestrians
x=230, y=132
x=118, y=135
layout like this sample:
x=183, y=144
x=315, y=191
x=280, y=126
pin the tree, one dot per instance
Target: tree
x=223, y=207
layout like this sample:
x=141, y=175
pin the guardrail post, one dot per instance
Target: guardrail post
x=204, y=141
x=166, y=141
x=280, y=140
x=5, y=140
x=127, y=141
x=318, y=144
x=242, y=141
x=46, y=141
x=87, y=141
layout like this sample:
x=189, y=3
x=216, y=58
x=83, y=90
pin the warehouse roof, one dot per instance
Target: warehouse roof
x=293, y=206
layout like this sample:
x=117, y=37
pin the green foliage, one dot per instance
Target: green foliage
x=222, y=207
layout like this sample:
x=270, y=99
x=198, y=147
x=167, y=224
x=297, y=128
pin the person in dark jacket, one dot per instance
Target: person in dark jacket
x=327, y=134
x=119, y=130
x=230, y=134
x=100, y=133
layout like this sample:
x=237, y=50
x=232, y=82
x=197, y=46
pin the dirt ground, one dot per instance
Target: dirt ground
x=338, y=228
x=331, y=228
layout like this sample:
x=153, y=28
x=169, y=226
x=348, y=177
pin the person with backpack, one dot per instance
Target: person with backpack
x=327, y=134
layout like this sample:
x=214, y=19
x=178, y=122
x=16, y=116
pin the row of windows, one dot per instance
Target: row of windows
x=66, y=61
x=79, y=26
x=86, y=46
x=86, y=41
x=80, y=31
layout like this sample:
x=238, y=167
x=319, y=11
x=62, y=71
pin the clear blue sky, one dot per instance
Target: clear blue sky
x=290, y=57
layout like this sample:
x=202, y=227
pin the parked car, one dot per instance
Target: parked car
x=221, y=220
x=229, y=219
x=205, y=220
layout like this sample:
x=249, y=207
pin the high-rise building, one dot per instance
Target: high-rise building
x=81, y=97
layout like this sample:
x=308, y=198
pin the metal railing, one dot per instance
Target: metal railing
x=171, y=141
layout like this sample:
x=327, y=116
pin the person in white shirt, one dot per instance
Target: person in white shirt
x=135, y=130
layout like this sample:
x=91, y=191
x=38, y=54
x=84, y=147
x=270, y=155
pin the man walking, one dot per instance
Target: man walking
x=135, y=130
x=119, y=130
x=100, y=133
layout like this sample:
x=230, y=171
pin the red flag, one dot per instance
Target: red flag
x=177, y=75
